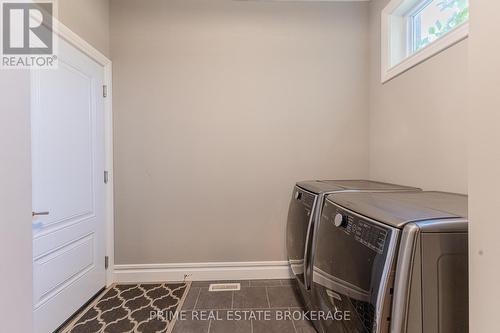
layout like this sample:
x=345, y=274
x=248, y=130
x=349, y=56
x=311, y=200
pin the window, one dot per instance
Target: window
x=415, y=30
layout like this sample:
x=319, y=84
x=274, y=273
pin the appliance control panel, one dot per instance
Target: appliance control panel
x=306, y=198
x=362, y=231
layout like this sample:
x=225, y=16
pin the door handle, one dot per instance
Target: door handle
x=39, y=213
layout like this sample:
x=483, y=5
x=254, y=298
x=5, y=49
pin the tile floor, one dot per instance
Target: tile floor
x=267, y=300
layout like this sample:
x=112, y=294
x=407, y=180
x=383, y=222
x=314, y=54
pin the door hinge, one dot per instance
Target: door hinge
x=106, y=262
x=104, y=91
x=106, y=177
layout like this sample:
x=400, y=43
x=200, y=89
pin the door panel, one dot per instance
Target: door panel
x=63, y=145
x=68, y=167
x=44, y=244
x=60, y=266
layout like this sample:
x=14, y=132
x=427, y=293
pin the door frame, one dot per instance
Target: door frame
x=78, y=42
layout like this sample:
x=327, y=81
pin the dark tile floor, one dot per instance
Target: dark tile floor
x=261, y=306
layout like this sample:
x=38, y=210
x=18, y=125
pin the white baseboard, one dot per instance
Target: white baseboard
x=202, y=271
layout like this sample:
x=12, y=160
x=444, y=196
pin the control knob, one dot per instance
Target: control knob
x=340, y=220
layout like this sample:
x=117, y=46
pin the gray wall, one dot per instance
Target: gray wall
x=220, y=106
x=418, y=132
x=484, y=166
x=89, y=19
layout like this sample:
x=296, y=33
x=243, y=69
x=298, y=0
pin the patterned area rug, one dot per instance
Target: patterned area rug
x=128, y=308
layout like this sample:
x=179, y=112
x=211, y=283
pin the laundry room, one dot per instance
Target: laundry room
x=298, y=166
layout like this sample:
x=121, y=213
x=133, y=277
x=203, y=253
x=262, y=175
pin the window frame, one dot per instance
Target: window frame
x=412, y=32
x=398, y=53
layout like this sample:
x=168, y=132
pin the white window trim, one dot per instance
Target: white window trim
x=390, y=16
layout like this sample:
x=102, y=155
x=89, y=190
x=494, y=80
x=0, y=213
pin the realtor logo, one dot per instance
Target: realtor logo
x=27, y=34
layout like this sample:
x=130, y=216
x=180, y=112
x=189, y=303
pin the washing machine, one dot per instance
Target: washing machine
x=304, y=212
x=392, y=262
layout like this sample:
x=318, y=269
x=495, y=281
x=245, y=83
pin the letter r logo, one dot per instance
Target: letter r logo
x=27, y=28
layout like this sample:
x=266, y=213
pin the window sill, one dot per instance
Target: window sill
x=458, y=34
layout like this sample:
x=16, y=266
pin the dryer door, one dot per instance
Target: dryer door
x=300, y=214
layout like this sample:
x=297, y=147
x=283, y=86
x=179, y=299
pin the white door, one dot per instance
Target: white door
x=68, y=167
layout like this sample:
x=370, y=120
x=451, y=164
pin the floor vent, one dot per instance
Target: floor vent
x=224, y=287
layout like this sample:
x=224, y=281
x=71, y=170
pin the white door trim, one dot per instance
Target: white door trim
x=207, y=271
x=69, y=36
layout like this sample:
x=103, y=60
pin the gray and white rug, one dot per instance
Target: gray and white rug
x=128, y=308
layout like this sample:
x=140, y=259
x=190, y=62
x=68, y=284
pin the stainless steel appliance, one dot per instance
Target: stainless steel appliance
x=305, y=210
x=396, y=262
